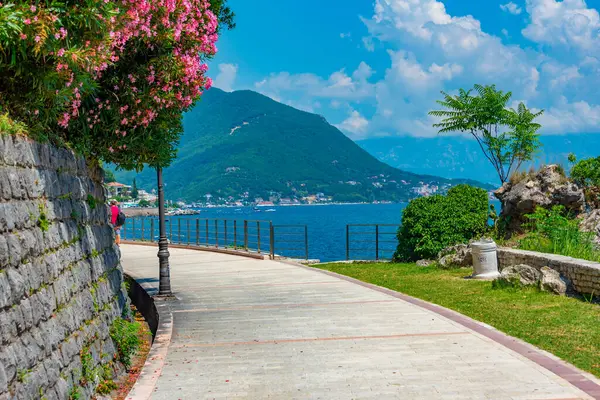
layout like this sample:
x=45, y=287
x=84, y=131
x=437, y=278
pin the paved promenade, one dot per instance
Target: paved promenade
x=254, y=329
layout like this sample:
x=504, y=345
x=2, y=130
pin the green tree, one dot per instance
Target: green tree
x=507, y=137
x=586, y=173
x=144, y=203
x=134, y=190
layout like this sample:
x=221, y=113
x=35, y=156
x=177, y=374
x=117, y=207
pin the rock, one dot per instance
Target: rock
x=591, y=223
x=521, y=275
x=459, y=255
x=552, y=282
x=546, y=188
x=424, y=263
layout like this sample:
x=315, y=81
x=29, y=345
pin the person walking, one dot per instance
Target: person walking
x=115, y=220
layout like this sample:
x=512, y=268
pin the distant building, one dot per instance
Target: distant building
x=116, y=189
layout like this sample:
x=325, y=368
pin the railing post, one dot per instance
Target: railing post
x=235, y=234
x=217, y=233
x=376, y=242
x=133, y=228
x=143, y=219
x=179, y=230
x=170, y=230
x=246, y=235
x=306, y=240
x=258, y=235
x=347, y=242
x=225, y=233
x=207, y=232
x=152, y=230
x=197, y=231
x=188, y=231
x=272, y=240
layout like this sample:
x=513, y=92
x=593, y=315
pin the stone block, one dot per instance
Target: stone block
x=17, y=284
x=5, y=290
x=8, y=360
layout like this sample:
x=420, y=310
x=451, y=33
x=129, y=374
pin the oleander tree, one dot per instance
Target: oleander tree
x=109, y=78
x=507, y=137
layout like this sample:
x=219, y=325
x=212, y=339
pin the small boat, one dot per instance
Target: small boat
x=270, y=210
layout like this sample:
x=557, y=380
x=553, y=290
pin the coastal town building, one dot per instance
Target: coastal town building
x=116, y=189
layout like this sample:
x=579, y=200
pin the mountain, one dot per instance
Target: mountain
x=459, y=156
x=243, y=144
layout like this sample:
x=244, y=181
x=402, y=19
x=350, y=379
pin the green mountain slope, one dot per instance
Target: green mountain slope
x=244, y=142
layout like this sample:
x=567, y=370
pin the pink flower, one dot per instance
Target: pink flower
x=37, y=39
x=60, y=52
x=33, y=8
x=27, y=21
x=36, y=112
x=23, y=36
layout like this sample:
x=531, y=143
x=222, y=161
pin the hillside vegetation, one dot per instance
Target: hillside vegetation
x=244, y=142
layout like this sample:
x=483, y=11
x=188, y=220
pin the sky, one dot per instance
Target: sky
x=375, y=68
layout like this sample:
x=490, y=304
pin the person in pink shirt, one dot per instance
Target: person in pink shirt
x=114, y=214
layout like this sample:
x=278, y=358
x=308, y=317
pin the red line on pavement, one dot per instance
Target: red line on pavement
x=325, y=339
x=263, y=307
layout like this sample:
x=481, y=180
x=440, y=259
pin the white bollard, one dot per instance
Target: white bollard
x=485, y=260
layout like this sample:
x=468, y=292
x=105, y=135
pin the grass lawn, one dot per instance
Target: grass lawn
x=566, y=327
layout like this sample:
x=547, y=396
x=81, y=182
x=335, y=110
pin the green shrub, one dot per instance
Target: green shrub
x=429, y=224
x=126, y=338
x=586, y=173
x=555, y=231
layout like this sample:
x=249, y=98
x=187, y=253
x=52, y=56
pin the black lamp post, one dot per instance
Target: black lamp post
x=164, y=288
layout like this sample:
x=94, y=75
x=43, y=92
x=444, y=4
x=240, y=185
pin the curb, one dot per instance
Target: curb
x=152, y=369
x=255, y=256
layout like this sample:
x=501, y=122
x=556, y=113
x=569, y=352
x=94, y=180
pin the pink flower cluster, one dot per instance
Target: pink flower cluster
x=175, y=35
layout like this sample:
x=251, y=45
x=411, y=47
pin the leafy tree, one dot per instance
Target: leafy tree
x=144, y=203
x=110, y=79
x=586, y=173
x=135, y=193
x=430, y=224
x=506, y=136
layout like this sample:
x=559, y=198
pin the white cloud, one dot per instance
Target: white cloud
x=355, y=124
x=369, y=43
x=511, y=8
x=339, y=85
x=430, y=50
x=226, y=77
x=568, y=23
x=565, y=117
x=345, y=35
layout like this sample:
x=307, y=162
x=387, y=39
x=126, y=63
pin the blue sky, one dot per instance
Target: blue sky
x=375, y=68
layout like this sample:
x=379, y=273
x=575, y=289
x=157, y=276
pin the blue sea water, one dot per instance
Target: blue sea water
x=327, y=226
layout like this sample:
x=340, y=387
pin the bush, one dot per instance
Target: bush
x=586, y=173
x=125, y=336
x=429, y=224
x=555, y=231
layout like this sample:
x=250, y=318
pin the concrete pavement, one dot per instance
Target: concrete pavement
x=259, y=329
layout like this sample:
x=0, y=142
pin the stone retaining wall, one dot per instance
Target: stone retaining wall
x=60, y=276
x=585, y=275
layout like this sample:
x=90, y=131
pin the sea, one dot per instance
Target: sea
x=333, y=232
x=327, y=233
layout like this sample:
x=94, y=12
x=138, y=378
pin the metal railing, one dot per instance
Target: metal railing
x=290, y=235
x=256, y=236
x=373, y=240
